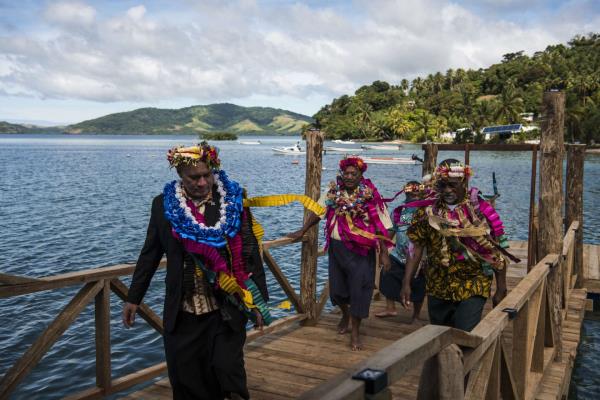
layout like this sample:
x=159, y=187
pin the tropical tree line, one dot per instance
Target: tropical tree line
x=468, y=100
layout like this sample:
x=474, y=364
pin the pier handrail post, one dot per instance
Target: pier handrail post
x=429, y=158
x=102, y=321
x=309, y=255
x=574, y=203
x=550, y=234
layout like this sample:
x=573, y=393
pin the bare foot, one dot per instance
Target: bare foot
x=356, y=344
x=343, y=324
x=386, y=313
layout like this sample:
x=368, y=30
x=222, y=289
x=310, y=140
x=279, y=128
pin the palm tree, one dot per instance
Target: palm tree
x=424, y=123
x=510, y=104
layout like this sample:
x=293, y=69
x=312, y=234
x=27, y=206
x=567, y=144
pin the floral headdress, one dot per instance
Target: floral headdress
x=203, y=152
x=353, y=161
x=454, y=170
x=414, y=188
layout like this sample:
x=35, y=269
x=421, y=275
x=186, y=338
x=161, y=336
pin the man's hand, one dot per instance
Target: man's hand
x=405, y=295
x=259, y=320
x=498, y=296
x=295, y=236
x=128, y=314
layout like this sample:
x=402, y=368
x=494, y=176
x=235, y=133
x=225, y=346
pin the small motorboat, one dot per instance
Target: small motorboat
x=338, y=141
x=384, y=147
x=249, y=142
x=390, y=160
x=345, y=150
x=293, y=150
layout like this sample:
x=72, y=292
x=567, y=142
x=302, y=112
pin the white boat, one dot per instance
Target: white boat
x=344, y=150
x=249, y=142
x=381, y=146
x=389, y=160
x=293, y=150
x=338, y=141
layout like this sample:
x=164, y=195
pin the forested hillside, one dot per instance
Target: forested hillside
x=446, y=101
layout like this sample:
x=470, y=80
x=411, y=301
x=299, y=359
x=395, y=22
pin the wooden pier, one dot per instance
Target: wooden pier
x=522, y=349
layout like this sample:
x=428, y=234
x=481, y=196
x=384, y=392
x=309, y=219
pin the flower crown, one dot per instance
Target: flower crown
x=353, y=161
x=413, y=188
x=203, y=152
x=455, y=170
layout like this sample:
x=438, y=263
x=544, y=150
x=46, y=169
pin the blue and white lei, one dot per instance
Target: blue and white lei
x=183, y=222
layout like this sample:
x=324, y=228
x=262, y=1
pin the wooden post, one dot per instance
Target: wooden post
x=430, y=158
x=312, y=188
x=102, y=318
x=551, y=199
x=442, y=376
x=574, y=203
x=467, y=154
x=532, y=236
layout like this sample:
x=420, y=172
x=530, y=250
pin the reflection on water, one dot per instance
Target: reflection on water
x=72, y=203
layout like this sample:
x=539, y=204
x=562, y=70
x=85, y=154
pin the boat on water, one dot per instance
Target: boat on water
x=381, y=146
x=338, y=141
x=390, y=160
x=348, y=150
x=249, y=142
x=291, y=150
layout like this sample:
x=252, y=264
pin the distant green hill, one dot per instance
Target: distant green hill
x=190, y=120
x=196, y=119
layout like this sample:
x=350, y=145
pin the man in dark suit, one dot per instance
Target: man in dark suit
x=213, y=262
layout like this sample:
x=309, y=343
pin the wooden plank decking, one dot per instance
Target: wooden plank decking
x=285, y=364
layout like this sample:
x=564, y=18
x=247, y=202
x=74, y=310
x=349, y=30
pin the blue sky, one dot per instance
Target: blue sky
x=68, y=61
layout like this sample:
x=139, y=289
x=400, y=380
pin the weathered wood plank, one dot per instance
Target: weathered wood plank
x=309, y=251
x=36, y=351
x=102, y=322
x=283, y=281
x=70, y=279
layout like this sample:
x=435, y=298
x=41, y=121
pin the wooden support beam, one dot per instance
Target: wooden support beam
x=429, y=158
x=283, y=281
x=532, y=228
x=396, y=359
x=482, y=147
x=323, y=299
x=102, y=321
x=74, y=278
x=574, y=203
x=140, y=376
x=312, y=189
x=551, y=198
x=9, y=279
x=36, y=351
x=153, y=319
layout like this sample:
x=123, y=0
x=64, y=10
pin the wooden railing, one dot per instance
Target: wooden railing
x=97, y=285
x=505, y=355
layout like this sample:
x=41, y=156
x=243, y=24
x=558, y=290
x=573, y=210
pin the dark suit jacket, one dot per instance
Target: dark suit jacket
x=159, y=240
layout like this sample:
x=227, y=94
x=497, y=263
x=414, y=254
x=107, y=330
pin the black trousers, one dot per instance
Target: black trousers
x=463, y=315
x=205, y=358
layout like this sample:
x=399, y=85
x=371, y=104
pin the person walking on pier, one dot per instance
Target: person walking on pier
x=215, y=279
x=356, y=227
x=390, y=282
x=465, y=243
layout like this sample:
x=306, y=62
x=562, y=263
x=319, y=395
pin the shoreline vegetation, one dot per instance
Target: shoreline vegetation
x=463, y=102
x=218, y=136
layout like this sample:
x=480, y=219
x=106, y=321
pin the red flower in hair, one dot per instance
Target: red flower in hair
x=353, y=161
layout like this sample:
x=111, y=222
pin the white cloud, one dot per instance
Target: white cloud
x=70, y=13
x=215, y=51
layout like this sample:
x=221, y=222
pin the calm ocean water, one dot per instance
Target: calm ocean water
x=73, y=203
